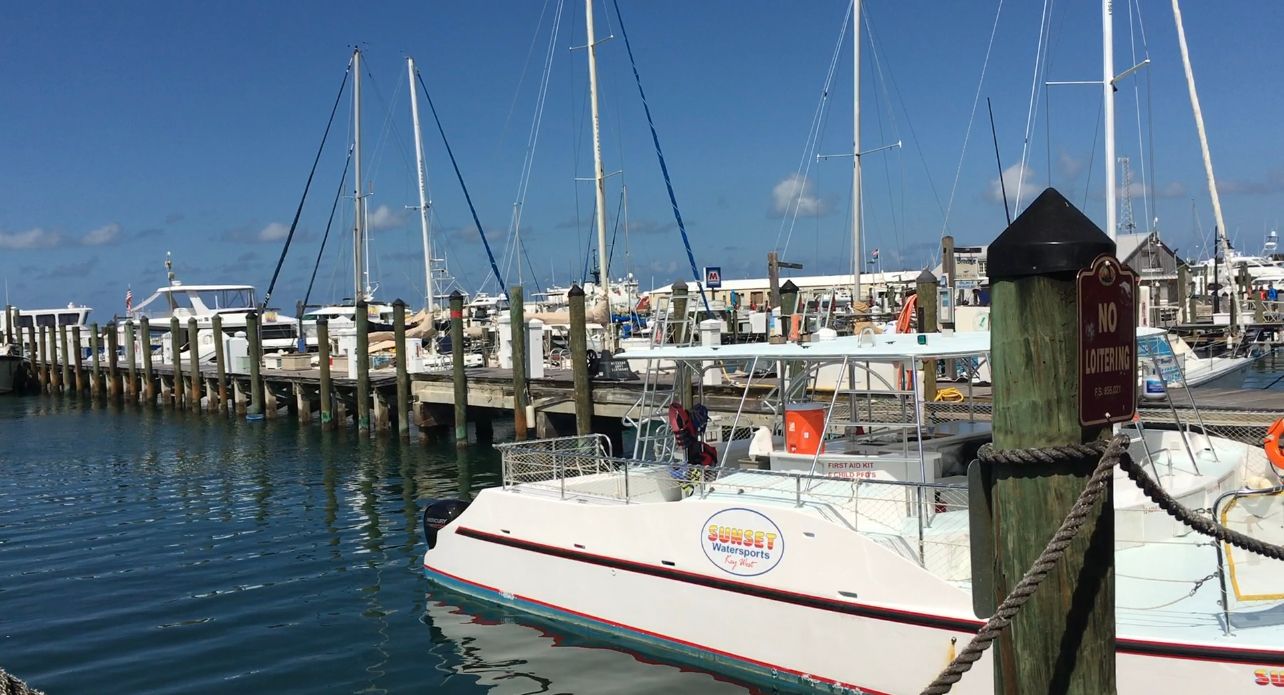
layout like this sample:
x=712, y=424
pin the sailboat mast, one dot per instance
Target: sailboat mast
x=857, y=253
x=599, y=176
x=1203, y=136
x=1108, y=95
x=430, y=298
x=359, y=215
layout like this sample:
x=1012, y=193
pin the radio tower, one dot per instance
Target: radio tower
x=1126, y=223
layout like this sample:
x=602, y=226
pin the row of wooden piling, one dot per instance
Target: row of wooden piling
x=187, y=386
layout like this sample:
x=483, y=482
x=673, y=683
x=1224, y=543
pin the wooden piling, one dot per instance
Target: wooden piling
x=1063, y=640
x=33, y=355
x=257, y=400
x=194, y=362
x=131, y=357
x=681, y=331
x=77, y=360
x=149, y=374
x=43, y=349
x=579, y=362
x=64, y=359
x=177, y=388
x=363, y=366
x=403, y=375
x=302, y=404
x=323, y=363
x=96, y=377
x=1183, y=291
x=113, y=362
x=55, y=378
x=219, y=393
x=457, y=362
x=517, y=329
x=8, y=324
x=928, y=297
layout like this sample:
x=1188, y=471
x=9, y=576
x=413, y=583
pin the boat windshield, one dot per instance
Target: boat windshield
x=213, y=299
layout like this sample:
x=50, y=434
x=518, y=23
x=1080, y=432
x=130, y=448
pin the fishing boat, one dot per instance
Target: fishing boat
x=825, y=560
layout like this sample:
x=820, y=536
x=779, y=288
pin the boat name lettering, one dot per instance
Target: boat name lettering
x=742, y=542
x=1273, y=677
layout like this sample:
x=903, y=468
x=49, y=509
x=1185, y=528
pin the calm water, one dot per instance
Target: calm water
x=160, y=552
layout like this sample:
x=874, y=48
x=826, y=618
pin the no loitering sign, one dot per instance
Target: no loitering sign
x=1107, y=294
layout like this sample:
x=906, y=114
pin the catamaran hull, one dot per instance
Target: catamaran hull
x=825, y=607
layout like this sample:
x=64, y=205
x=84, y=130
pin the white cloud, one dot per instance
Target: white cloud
x=1070, y=166
x=794, y=193
x=35, y=238
x=274, y=232
x=384, y=218
x=1172, y=189
x=1012, y=178
x=102, y=235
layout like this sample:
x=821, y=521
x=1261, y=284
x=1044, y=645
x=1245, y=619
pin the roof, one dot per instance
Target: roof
x=201, y=288
x=805, y=281
x=896, y=347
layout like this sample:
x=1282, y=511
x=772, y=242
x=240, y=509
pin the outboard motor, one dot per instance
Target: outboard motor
x=438, y=514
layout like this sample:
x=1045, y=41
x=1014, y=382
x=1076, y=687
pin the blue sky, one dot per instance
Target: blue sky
x=135, y=128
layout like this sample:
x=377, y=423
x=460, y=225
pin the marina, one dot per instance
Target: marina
x=539, y=357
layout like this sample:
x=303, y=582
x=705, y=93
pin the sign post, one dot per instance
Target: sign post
x=1107, y=294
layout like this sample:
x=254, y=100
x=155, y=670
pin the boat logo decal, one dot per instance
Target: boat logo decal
x=742, y=542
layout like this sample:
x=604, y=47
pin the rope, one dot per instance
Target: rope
x=267, y=296
x=12, y=685
x=1047, y=560
x=494, y=267
x=329, y=223
x=1113, y=452
x=664, y=168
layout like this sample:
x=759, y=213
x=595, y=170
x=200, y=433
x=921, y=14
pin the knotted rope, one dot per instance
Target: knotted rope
x=12, y=685
x=1114, y=452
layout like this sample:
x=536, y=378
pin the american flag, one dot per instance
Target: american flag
x=874, y=255
x=129, y=299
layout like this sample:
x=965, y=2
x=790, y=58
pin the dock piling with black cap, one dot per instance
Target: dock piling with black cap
x=323, y=364
x=77, y=361
x=582, y=385
x=1063, y=639
x=258, y=403
x=219, y=392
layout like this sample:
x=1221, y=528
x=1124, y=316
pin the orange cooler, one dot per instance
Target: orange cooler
x=804, y=427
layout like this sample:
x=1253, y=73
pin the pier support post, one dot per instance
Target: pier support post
x=1183, y=292
x=517, y=325
x=149, y=373
x=323, y=363
x=789, y=309
x=579, y=362
x=1063, y=640
x=77, y=360
x=271, y=407
x=681, y=330
x=176, y=388
x=257, y=403
x=113, y=362
x=403, y=375
x=64, y=358
x=457, y=367
x=194, y=363
x=96, y=377
x=219, y=393
x=363, y=367
x=238, y=398
x=131, y=357
x=928, y=297
x=55, y=378
x=9, y=324
x=33, y=355
x=302, y=404
x=44, y=358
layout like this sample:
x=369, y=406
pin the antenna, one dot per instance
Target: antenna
x=1127, y=225
x=998, y=160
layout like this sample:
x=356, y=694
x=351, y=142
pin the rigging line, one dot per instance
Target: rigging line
x=1030, y=110
x=298, y=212
x=459, y=175
x=1136, y=98
x=967, y=134
x=333, y=207
x=532, y=140
x=615, y=232
x=1150, y=115
x=529, y=266
x=909, y=122
x=588, y=249
x=517, y=92
x=813, y=134
x=878, y=110
x=1092, y=158
x=659, y=154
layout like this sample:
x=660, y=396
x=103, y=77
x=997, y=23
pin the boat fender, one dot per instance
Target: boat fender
x=1272, y=445
x=438, y=514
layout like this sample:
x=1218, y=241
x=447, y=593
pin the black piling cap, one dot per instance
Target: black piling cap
x=925, y=278
x=575, y=291
x=678, y=286
x=457, y=295
x=788, y=287
x=361, y=303
x=398, y=302
x=1051, y=236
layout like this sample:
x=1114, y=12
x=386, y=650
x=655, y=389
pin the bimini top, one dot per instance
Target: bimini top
x=894, y=347
x=891, y=347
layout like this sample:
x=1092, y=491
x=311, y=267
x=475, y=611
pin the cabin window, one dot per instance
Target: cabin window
x=755, y=298
x=70, y=319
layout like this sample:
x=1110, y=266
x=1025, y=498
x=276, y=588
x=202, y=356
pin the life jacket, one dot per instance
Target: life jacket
x=687, y=427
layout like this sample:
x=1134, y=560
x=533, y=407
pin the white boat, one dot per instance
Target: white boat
x=1173, y=357
x=848, y=568
x=71, y=315
x=10, y=367
x=202, y=302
